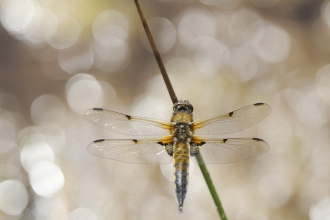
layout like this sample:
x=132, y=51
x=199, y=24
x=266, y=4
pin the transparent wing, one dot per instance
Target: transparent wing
x=230, y=150
x=232, y=122
x=126, y=124
x=131, y=150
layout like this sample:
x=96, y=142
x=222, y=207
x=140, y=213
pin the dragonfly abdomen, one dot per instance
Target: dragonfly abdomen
x=181, y=171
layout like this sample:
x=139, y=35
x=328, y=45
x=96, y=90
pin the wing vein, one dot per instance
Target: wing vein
x=232, y=122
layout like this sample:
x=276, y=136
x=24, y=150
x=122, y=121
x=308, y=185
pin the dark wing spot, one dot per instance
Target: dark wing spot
x=128, y=117
x=231, y=113
x=98, y=109
x=202, y=143
x=161, y=143
x=100, y=140
x=225, y=140
x=258, y=104
x=135, y=141
x=257, y=139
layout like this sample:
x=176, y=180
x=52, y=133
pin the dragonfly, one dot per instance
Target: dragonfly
x=178, y=140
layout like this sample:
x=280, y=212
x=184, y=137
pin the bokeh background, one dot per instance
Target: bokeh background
x=60, y=57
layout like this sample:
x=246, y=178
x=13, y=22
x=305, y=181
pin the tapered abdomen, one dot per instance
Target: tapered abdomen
x=181, y=171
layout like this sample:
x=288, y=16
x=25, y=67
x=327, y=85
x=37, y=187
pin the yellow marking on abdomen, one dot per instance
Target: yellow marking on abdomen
x=181, y=171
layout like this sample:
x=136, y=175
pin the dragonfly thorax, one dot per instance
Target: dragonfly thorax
x=182, y=132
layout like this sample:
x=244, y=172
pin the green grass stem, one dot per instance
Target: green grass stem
x=210, y=185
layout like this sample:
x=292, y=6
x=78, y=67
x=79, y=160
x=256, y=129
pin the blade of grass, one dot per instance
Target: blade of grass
x=156, y=54
x=210, y=185
x=170, y=89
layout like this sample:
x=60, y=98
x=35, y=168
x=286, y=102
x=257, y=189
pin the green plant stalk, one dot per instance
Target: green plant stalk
x=174, y=99
x=210, y=185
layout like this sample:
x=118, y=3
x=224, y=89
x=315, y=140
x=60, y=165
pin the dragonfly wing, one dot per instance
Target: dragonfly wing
x=230, y=150
x=232, y=122
x=126, y=124
x=131, y=150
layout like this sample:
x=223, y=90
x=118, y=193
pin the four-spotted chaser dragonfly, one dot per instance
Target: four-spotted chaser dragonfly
x=177, y=140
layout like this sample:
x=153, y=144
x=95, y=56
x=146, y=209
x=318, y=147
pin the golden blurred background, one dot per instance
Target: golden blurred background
x=59, y=58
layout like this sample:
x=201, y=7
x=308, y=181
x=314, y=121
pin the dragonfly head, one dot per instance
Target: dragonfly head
x=183, y=106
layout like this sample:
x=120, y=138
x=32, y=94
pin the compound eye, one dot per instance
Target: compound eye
x=182, y=108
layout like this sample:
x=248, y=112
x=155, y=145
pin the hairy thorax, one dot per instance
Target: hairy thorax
x=181, y=129
x=182, y=117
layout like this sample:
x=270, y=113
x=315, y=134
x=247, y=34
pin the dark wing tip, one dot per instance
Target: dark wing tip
x=262, y=104
x=263, y=144
x=99, y=140
x=89, y=111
